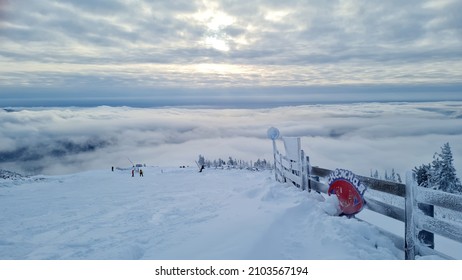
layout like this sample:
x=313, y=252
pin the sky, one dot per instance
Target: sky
x=200, y=51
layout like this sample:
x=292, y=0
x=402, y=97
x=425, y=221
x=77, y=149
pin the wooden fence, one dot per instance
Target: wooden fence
x=417, y=215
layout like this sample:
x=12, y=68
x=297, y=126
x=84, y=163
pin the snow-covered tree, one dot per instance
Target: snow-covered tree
x=444, y=174
x=423, y=174
x=440, y=174
x=231, y=162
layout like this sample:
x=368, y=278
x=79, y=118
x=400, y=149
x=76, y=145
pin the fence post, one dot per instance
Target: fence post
x=308, y=172
x=303, y=170
x=275, y=163
x=409, y=234
x=283, y=177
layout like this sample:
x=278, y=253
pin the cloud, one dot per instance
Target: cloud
x=158, y=44
x=359, y=137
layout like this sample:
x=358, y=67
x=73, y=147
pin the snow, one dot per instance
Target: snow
x=178, y=214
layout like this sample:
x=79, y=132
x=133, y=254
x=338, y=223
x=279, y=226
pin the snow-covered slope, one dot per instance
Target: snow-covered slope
x=176, y=213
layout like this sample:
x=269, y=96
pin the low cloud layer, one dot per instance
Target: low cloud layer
x=359, y=137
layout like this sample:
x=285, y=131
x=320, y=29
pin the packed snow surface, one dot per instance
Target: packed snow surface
x=177, y=213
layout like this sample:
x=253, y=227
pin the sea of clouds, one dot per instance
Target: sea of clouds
x=360, y=137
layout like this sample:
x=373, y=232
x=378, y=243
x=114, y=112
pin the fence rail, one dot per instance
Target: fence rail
x=418, y=214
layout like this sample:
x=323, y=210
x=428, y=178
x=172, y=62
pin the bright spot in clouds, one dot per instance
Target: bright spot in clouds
x=215, y=23
x=217, y=43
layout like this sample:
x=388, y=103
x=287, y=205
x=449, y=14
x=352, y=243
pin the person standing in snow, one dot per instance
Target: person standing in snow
x=133, y=172
x=141, y=173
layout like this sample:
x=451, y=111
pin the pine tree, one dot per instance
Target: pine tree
x=231, y=162
x=445, y=173
x=423, y=174
x=440, y=174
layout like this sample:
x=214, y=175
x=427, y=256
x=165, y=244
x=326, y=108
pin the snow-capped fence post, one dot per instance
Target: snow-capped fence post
x=281, y=171
x=409, y=225
x=275, y=167
x=308, y=173
x=303, y=170
x=273, y=134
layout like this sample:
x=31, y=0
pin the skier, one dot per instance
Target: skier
x=133, y=172
x=141, y=173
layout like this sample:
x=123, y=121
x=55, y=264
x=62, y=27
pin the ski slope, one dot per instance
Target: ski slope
x=177, y=214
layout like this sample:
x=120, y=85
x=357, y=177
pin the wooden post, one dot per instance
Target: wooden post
x=308, y=172
x=275, y=164
x=409, y=234
x=283, y=176
x=303, y=170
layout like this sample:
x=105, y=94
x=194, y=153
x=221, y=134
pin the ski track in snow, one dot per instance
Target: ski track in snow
x=178, y=213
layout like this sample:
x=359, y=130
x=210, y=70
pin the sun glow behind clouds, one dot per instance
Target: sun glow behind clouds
x=215, y=22
x=220, y=68
x=276, y=16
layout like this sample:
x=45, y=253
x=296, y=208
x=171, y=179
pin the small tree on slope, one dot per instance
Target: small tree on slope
x=423, y=174
x=440, y=174
x=443, y=175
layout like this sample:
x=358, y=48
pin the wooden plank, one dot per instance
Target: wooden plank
x=439, y=198
x=426, y=251
x=397, y=189
x=287, y=164
x=318, y=186
x=449, y=230
x=372, y=183
x=385, y=209
x=321, y=172
x=294, y=178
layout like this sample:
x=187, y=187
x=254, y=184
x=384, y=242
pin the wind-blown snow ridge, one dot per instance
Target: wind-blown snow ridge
x=178, y=214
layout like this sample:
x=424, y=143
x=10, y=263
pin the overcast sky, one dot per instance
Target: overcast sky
x=162, y=47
